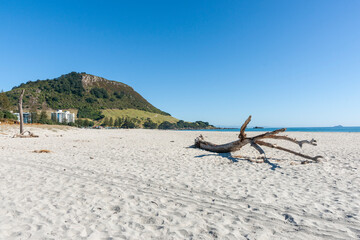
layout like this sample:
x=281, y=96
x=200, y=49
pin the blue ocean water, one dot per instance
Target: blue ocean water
x=292, y=129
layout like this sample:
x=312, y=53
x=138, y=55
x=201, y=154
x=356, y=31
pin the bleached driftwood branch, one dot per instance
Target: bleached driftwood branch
x=22, y=132
x=21, y=111
x=255, y=142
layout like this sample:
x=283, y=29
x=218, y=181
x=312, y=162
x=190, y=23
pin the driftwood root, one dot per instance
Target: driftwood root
x=26, y=134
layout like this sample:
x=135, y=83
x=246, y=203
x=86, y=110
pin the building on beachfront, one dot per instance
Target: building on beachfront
x=26, y=117
x=63, y=117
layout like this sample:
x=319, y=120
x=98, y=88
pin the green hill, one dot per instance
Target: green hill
x=142, y=116
x=87, y=93
x=109, y=103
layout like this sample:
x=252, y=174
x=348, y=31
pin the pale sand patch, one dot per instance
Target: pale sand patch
x=143, y=184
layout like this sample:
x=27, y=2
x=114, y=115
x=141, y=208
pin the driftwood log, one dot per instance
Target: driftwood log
x=256, y=142
x=23, y=134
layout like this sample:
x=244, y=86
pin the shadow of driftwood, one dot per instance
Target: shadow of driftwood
x=224, y=155
x=228, y=156
x=273, y=165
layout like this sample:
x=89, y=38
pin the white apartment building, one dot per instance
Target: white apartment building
x=63, y=117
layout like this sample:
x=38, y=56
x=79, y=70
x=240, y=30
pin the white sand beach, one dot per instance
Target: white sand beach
x=148, y=184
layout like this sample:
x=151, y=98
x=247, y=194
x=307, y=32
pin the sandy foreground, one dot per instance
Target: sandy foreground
x=148, y=184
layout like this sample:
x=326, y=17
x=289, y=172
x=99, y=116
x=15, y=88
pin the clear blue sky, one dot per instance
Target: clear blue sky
x=288, y=63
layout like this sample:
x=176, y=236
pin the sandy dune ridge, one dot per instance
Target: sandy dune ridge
x=144, y=184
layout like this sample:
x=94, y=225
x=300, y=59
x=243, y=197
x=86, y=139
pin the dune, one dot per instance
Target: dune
x=148, y=184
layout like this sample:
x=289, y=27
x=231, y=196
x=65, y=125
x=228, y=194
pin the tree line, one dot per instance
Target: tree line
x=149, y=124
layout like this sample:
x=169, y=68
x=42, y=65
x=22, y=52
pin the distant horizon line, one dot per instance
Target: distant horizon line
x=265, y=127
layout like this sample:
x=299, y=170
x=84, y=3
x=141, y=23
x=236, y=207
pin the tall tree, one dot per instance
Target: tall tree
x=120, y=122
x=34, y=117
x=34, y=114
x=43, y=118
x=106, y=122
x=4, y=101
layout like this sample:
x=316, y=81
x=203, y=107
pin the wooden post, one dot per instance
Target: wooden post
x=22, y=132
x=21, y=112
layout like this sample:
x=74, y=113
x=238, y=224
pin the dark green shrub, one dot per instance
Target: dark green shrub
x=150, y=124
x=88, y=112
x=167, y=125
x=99, y=93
